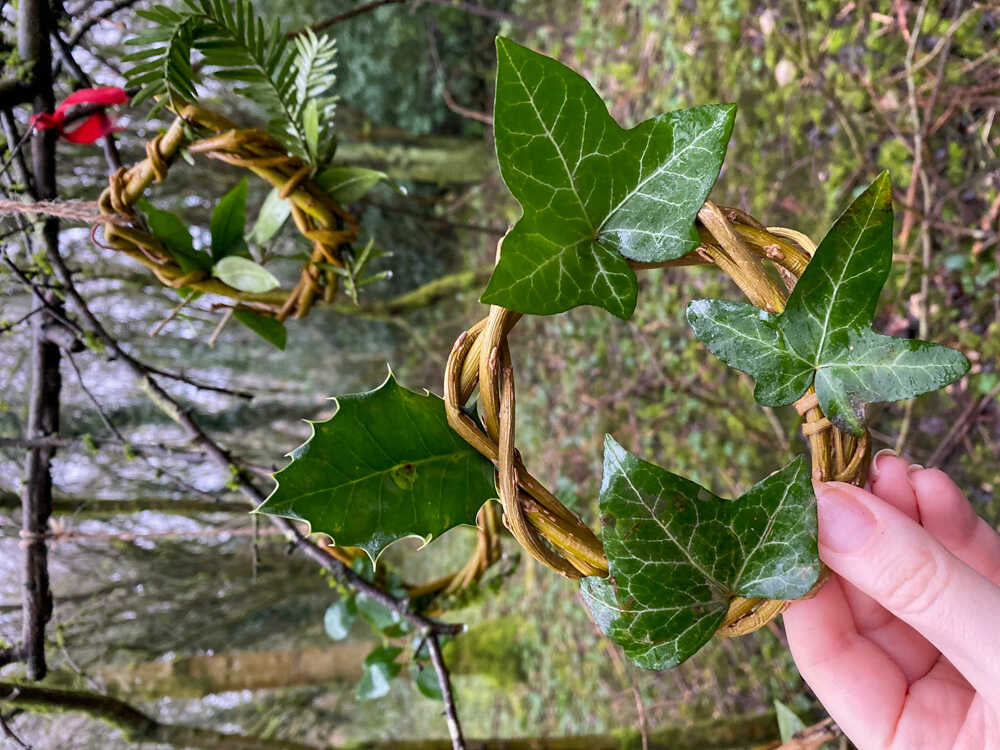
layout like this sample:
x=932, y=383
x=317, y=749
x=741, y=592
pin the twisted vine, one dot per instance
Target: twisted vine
x=555, y=536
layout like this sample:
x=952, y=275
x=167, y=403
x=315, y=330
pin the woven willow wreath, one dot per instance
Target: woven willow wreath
x=320, y=220
x=550, y=532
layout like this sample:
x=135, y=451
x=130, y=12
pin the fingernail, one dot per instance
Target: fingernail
x=875, y=460
x=845, y=525
x=914, y=467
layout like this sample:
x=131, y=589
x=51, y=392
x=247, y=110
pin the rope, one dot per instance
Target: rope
x=85, y=212
x=552, y=534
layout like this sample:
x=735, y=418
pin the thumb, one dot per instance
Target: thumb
x=900, y=565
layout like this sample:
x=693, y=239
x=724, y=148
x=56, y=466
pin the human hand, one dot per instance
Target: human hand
x=902, y=644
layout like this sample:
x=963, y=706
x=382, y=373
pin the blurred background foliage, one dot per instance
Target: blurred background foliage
x=829, y=93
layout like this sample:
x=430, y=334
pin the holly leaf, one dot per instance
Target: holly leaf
x=677, y=554
x=593, y=194
x=385, y=466
x=823, y=337
x=228, y=220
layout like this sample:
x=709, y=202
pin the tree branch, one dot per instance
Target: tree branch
x=134, y=725
x=33, y=21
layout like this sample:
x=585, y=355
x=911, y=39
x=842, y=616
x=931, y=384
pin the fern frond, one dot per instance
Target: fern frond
x=315, y=63
x=163, y=67
x=290, y=80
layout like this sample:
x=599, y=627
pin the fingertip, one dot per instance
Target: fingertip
x=890, y=481
x=944, y=510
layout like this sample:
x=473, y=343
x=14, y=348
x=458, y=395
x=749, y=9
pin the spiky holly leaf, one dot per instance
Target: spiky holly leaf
x=385, y=466
x=678, y=554
x=824, y=336
x=593, y=194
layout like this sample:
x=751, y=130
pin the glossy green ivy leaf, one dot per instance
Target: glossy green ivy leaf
x=824, y=336
x=339, y=618
x=593, y=194
x=228, y=219
x=379, y=671
x=385, y=466
x=678, y=554
x=176, y=238
x=271, y=330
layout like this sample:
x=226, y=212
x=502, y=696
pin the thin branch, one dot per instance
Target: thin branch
x=346, y=16
x=444, y=681
x=9, y=734
x=440, y=72
x=89, y=23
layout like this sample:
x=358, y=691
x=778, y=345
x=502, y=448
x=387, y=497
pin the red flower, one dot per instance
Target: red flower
x=96, y=125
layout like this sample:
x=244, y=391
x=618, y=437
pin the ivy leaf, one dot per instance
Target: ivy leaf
x=385, y=466
x=678, y=554
x=228, y=220
x=379, y=671
x=271, y=330
x=245, y=275
x=339, y=618
x=824, y=337
x=593, y=194
x=176, y=238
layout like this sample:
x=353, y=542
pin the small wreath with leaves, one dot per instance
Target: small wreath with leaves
x=675, y=564
x=291, y=79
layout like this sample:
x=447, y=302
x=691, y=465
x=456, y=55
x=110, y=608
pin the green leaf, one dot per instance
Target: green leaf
x=339, y=617
x=176, y=238
x=788, y=722
x=245, y=275
x=593, y=194
x=678, y=554
x=271, y=330
x=380, y=669
x=426, y=681
x=348, y=184
x=385, y=466
x=824, y=337
x=229, y=217
x=380, y=617
x=273, y=214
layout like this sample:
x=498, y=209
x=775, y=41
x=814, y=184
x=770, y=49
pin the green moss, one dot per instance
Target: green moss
x=496, y=649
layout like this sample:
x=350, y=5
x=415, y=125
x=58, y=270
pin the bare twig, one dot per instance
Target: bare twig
x=445, y=93
x=9, y=734
x=961, y=427
x=444, y=681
